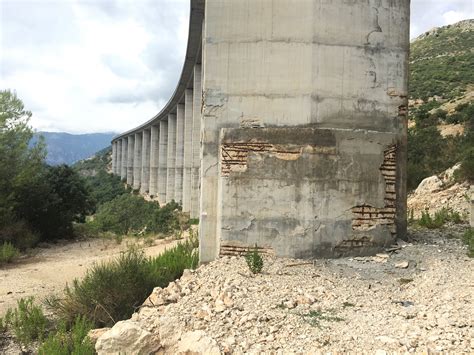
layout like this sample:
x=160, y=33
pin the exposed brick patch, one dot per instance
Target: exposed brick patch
x=235, y=249
x=367, y=217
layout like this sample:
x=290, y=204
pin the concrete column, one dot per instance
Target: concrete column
x=188, y=149
x=123, y=171
x=118, y=169
x=163, y=162
x=178, y=188
x=145, y=186
x=137, y=162
x=154, y=156
x=171, y=159
x=196, y=143
x=130, y=157
x=114, y=157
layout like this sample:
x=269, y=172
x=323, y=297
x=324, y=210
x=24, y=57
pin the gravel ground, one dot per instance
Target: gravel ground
x=418, y=298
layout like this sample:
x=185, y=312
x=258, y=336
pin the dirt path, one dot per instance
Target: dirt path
x=48, y=271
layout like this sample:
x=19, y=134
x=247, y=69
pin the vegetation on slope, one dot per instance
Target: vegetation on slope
x=441, y=74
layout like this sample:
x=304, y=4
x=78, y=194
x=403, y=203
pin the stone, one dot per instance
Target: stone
x=95, y=334
x=402, y=265
x=197, y=342
x=127, y=337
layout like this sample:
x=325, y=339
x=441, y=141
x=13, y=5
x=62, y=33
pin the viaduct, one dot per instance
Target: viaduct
x=287, y=128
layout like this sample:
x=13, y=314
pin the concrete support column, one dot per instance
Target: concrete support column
x=154, y=155
x=114, y=157
x=196, y=143
x=137, y=162
x=171, y=159
x=145, y=185
x=123, y=171
x=178, y=188
x=130, y=158
x=188, y=149
x=163, y=162
x=118, y=169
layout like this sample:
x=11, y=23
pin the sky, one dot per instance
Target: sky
x=84, y=66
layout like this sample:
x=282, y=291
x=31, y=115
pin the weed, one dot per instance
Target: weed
x=194, y=221
x=348, y=304
x=27, y=321
x=72, y=342
x=314, y=318
x=404, y=281
x=468, y=239
x=441, y=217
x=8, y=253
x=254, y=260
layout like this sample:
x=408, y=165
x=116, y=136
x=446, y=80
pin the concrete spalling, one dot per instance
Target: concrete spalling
x=287, y=129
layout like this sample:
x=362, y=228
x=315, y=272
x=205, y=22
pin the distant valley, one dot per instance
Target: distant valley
x=65, y=148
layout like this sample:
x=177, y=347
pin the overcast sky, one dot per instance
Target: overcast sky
x=108, y=65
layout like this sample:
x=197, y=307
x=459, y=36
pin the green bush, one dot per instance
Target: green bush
x=8, y=253
x=19, y=234
x=440, y=218
x=72, y=342
x=254, y=260
x=105, y=187
x=27, y=321
x=111, y=291
x=468, y=239
x=129, y=214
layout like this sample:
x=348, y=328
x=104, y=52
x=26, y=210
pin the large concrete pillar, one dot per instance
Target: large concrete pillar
x=130, y=158
x=188, y=149
x=137, y=162
x=163, y=162
x=123, y=171
x=154, y=158
x=145, y=185
x=171, y=159
x=114, y=157
x=196, y=143
x=118, y=169
x=179, y=154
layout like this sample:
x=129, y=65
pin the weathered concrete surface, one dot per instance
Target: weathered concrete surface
x=118, y=170
x=178, y=187
x=196, y=142
x=171, y=160
x=154, y=158
x=137, y=161
x=123, y=171
x=188, y=149
x=163, y=162
x=263, y=71
x=130, y=158
x=145, y=175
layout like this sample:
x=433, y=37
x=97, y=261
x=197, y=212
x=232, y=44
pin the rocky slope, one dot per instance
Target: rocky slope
x=417, y=297
x=438, y=191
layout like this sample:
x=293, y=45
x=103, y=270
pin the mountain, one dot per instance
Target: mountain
x=65, y=148
x=442, y=62
x=441, y=103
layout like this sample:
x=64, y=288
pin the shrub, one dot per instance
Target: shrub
x=440, y=217
x=73, y=342
x=128, y=214
x=254, y=260
x=468, y=239
x=19, y=234
x=8, y=253
x=112, y=291
x=27, y=321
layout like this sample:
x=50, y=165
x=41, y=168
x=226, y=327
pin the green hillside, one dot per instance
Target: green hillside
x=441, y=92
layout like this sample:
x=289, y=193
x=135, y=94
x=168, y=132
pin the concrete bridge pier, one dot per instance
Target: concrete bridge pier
x=196, y=143
x=163, y=163
x=130, y=159
x=123, y=170
x=154, y=156
x=171, y=159
x=145, y=174
x=188, y=149
x=137, y=161
x=178, y=187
